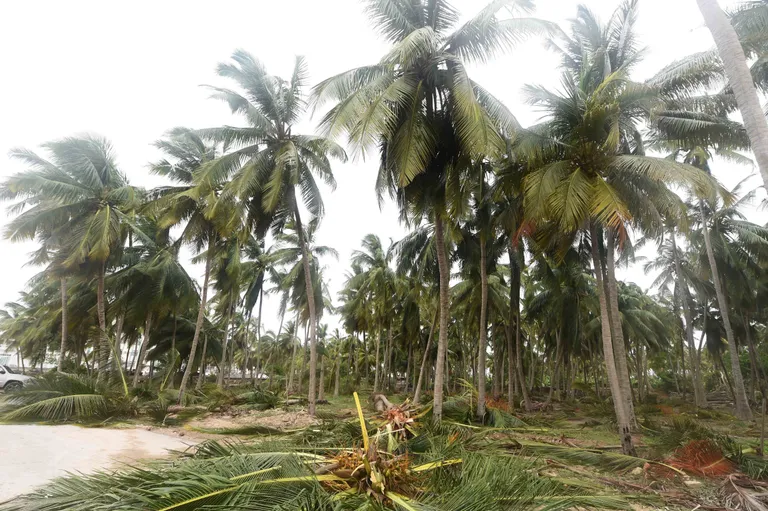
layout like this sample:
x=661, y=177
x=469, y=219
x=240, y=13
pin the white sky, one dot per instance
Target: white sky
x=132, y=70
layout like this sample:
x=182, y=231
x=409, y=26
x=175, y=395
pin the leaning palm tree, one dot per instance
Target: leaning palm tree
x=78, y=198
x=191, y=201
x=425, y=116
x=273, y=170
x=737, y=70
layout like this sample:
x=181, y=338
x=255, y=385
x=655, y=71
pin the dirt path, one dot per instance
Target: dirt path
x=31, y=455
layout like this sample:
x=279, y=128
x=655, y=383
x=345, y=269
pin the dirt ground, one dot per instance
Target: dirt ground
x=31, y=455
x=276, y=419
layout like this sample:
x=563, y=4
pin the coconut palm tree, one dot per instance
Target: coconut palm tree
x=193, y=202
x=153, y=284
x=734, y=249
x=273, y=169
x=737, y=70
x=675, y=270
x=424, y=114
x=377, y=280
x=79, y=198
x=590, y=170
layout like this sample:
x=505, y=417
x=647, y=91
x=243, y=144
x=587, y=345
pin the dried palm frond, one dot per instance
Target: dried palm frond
x=742, y=493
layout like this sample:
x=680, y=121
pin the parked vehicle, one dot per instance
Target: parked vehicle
x=10, y=380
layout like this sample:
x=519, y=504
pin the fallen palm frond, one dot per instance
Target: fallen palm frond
x=242, y=430
x=61, y=397
x=702, y=458
x=597, y=458
x=685, y=430
x=740, y=492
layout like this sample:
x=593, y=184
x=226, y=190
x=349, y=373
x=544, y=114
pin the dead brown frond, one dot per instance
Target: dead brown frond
x=742, y=493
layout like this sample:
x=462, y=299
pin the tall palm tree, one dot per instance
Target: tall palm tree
x=191, y=201
x=739, y=76
x=735, y=248
x=377, y=280
x=153, y=286
x=674, y=270
x=273, y=169
x=79, y=198
x=423, y=113
x=591, y=170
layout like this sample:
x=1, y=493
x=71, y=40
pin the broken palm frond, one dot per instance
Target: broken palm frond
x=596, y=458
x=400, y=419
x=684, y=430
x=593, y=457
x=740, y=492
x=62, y=397
x=702, y=458
x=242, y=430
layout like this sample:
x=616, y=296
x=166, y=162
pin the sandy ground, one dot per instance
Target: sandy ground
x=277, y=419
x=30, y=455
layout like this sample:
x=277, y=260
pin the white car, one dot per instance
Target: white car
x=10, y=380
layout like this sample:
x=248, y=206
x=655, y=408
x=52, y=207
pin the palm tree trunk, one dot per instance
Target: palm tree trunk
x=101, y=310
x=227, y=335
x=760, y=375
x=337, y=381
x=246, y=347
x=619, y=346
x=699, y=395
x=514, y=322
x=482, y=342
x=142, y=349
x=64, y=319
x=408, y=368
x=366, y=360
x=622, y=416
x=740, y=79
x=173, y=351
x=289, y=385
x=445, y=307
x=312, y=313
x=511, y=368
x=321, y=382
x=198, y=324
x=420, y=382
x=556, y=371
x=376, y=376
x=743, y=411
x=203, y=355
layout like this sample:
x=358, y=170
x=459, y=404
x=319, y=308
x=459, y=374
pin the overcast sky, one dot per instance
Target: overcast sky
x=131, y=70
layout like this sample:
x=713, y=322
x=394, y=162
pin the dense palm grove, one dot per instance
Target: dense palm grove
x=507, y=279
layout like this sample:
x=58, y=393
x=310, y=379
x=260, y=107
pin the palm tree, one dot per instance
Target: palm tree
x=739, y=76
x=191, y=201
x=424, y=114
x=289, y=254
x=734, y=248
x=78, y=198
x=272, y=162
x=154, y=285
x=377, y=281
x=590, y=170
x=674, y=269
x=417, y=261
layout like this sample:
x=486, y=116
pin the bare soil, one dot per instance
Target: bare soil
x=277, y=419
